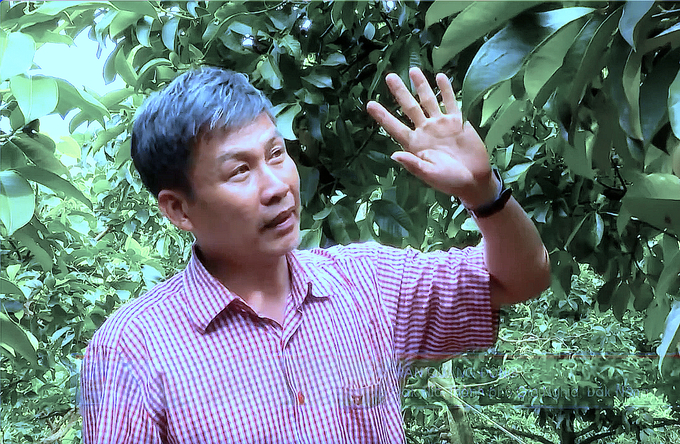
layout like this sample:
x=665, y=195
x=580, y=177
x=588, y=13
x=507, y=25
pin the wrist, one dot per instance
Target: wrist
x=494, y=205
x=486, y=194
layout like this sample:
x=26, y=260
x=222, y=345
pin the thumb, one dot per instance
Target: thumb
x=414, y=164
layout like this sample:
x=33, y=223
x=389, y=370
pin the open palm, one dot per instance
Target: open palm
x=442, y=150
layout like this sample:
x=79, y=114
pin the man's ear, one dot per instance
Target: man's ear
x=173, y=205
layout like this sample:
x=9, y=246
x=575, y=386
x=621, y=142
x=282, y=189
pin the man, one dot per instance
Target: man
x=256, y=341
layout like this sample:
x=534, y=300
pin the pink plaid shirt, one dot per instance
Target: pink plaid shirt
x=190, y=362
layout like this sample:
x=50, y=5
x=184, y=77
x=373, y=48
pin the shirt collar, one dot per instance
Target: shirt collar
x=206, y=297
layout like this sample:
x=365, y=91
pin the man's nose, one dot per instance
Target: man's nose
x=274, y=188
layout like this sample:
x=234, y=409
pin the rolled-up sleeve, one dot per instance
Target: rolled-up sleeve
x=112, y=402
x=439, y=302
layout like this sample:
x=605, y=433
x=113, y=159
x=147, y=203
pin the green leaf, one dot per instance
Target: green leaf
x=292, y=46
x=244, y=30
x=655, y=199
x=320, y=80
x=40, y=149
x=143, y=31
x=54, y=182
x=579, y=157
x=54, y=8
x=151, y=275
x=69, y=147
x=72, y=98
x=107, y=135
x=16, y=337
x=655, y=317
x=37, y=96
x=502, y=56
x=671, y=334
x=149, y=69
x=516, y=172
x=122, y=21
x=285, y=120
x=573, y=58
x=115, y=97
x=342, y=225
x=622, y=67
x=590, y=65
x=511, y=113
x=644, y=295
x=321, y=215
x=139, y=7
x=310, y=238
x=17, y=201
x=28, y=237
x=633, y=13
x=620, y=300
x=575, y=231
x=169, y=32
x=674, y=105
x=631, y=88
x=669, y=275
x=124, y=68
x=476, y=21
x=669, y=36
x=469, y=225
x=494, y=99
x=124, y=153
x=10, y=288
x=391, y=218
x=656, y=90
x=335, y=59
x=544, y=62
x=309, y=180
x=441, y=9
x=11, y=156
x=16, y=54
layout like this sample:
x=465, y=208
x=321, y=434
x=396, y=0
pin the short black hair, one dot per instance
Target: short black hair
x=171, y=121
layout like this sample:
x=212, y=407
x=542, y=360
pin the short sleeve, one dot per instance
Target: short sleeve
x=112, y=402
x=439, y=302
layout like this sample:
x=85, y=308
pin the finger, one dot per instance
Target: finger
x=448, y=96
x=427, y=98
x=413, y=164
x=392, y=125
x=408, y=103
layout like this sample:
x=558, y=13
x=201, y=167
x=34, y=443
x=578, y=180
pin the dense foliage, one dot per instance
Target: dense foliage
x=577, y=103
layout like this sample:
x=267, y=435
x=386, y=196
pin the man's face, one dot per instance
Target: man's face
x=246, y=194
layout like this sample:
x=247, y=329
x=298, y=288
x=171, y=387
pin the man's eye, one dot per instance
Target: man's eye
x=242, y=169
x=277, y=152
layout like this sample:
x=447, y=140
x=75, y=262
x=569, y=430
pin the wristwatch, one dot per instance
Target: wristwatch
x=497, y=205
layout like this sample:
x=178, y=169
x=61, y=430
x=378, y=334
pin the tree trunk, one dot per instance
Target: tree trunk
x=459, y=426
x=567, y=435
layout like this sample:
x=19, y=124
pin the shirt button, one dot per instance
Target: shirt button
x=300, y=398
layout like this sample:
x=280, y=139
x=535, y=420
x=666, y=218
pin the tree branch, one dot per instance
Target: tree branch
x=63, y=429
x=102, y=234
x=358, y=152
x=386, y=19
x=533, y=436
x=598, y=436
x=664, y=423
x=588, y=429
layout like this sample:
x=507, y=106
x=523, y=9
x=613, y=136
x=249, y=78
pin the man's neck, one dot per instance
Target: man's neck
x=263, y=285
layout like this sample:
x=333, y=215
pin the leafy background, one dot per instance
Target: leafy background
x=578, y=103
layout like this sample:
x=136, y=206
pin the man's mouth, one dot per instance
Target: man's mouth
x=280, y=218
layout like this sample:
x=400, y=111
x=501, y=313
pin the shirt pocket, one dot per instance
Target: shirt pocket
x=362, y=397
x=364, y=413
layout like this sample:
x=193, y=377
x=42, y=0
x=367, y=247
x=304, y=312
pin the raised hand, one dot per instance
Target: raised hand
x=442, y=150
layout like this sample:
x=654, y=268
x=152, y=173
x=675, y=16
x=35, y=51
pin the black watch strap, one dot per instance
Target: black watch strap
x=494, y=207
